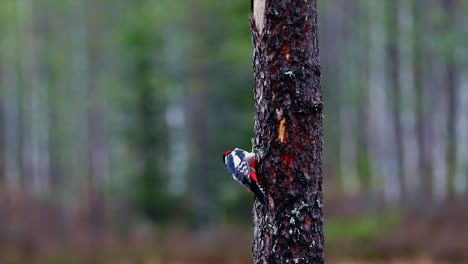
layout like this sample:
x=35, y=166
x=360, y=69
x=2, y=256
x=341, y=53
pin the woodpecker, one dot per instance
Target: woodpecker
x=241, y=164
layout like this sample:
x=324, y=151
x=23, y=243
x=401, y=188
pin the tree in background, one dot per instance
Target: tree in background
x=147, y=130
x=288, y=132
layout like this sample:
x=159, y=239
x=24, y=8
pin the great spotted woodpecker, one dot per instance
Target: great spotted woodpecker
x=241, y=164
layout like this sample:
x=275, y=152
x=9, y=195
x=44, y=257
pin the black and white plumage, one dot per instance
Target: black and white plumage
x=241, y=164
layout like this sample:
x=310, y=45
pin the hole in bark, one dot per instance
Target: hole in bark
x=286, y=51
x=282, y=131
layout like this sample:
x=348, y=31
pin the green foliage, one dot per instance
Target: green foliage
x=360, y=230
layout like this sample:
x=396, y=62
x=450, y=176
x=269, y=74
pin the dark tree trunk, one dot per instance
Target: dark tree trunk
x=393, y=78
x=288, y=132
x=418, y=65
x=451, y=76
x=3, y=150
x=204, y=212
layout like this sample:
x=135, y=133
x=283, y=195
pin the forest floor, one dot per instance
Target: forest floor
x=32, y=232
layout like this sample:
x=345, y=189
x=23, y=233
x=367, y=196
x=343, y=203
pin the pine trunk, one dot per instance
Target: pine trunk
x=288, y=132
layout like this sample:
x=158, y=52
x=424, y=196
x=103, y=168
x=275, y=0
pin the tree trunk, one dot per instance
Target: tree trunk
x=35, y=109
x=423, y=130
x=363, y=47
x=410, y=150
x=11, y=93
x=205, y=212
x=78, y=76
x=461, y=176
x=381, y=130
x=439, y=111
x=439, y=125
x=347, y=80
x=460, y=181
x=288, y=132
x=393, y=82
x=451, y=78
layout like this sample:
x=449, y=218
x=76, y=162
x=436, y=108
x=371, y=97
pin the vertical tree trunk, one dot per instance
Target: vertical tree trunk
x=393, y=82
x=98, y=156
x=375, y=104
x=347, y=82
x=410, y=151
x=410, y=154
x=76, y=110
x=439, y=125
x=26, y=94
x=10, y=100
x=3, y=152
x=439, y=111
x=423, y=131
x=460, y=182
x=451, y=77
x=381, y=129
x=363, y=120
x=204, y=212
x=57, y=121
x=328, y=32
x=35, y=109
x=461, y=171
x=288, y=132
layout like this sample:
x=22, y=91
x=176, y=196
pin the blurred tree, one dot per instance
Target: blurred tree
x=407, y=101
x=288, y=132
x=348, y=114
x=382, y=140
x=419, y=60
x=11, y=97
x=393, y=83
x=438, y=106
x=198, y=116
x=461, y=139
x=3, y=30
x=451, y=16
x=146, y=132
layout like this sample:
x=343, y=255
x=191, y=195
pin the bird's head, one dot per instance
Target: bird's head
x=224, y=156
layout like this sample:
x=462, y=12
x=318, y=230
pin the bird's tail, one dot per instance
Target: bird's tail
x=258, y=193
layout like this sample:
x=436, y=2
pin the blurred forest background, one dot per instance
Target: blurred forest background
x=114, y=116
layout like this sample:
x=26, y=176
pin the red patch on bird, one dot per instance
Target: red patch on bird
x=227, y=153
x=253, y=162
x=253, y=176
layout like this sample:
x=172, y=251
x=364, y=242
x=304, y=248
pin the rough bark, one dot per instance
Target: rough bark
x=288, y=133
